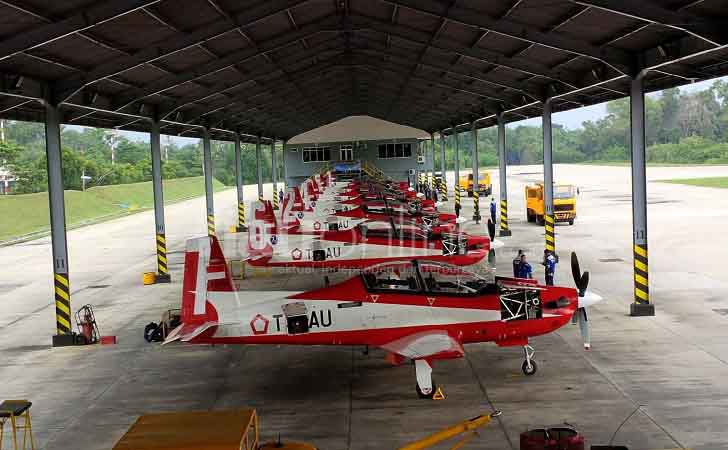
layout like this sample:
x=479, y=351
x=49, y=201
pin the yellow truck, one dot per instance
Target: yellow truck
x=564, y=203
x=485, y=187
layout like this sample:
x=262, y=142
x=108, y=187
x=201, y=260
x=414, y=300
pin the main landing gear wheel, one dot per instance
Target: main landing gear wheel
x=421, y=394
x=528, y=371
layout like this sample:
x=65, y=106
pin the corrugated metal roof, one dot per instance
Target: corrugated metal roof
x=280, y=67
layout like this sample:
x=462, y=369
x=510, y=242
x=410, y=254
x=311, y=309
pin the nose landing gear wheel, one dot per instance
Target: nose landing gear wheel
x=528, y=371
x=421, y=394
x=529, y=365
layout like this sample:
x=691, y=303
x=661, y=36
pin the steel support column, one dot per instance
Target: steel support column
x=642, y=305
x=456, y=185
x=443, y=165
x=548, y=179
x=207, y=167
x=283, y=161
x=161, y=237
x=433, y=187
x=259, y=168
x=239, y=184
x=503, y=178
x=57, y=208
x=274, y=173
x=476, y=182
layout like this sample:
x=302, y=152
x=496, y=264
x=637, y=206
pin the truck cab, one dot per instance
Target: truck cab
x=564, y=203
x=484, y=184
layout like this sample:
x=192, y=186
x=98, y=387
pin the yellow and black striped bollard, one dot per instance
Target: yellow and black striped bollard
x=275, y=199
x=210, y=225
x=241, y=217
x=162, y=269
x=641, y=275
x=63, y=303
x=476, y=206
x=504, y=231
x=443, y=191
x=457, y=200
x=550, y=233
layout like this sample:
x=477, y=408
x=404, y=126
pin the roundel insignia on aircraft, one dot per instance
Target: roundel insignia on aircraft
x=259, y=324
x=296, y=254
x=317, y=226
x=300, y=215
x=274, y=239
x=313, y=204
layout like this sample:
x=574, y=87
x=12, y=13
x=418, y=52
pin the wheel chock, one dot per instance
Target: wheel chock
x=439, y=395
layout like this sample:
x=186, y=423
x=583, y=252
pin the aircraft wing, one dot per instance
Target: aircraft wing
x=434, y=344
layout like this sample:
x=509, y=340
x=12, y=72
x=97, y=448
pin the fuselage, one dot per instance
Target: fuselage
x=351, y=314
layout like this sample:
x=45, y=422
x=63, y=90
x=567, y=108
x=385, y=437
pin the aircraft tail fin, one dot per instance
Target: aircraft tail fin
x=262, y=234
x=205, y=271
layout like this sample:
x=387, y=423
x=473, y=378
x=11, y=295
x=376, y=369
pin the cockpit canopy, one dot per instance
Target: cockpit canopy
x=428, y=277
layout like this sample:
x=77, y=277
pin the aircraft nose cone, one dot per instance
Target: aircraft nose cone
x=589, y=298
x=496, y=243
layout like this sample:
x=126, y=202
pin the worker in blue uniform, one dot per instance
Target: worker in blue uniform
x=517, y=263
x=524, y=268
x=549, y=262
x=492, y=209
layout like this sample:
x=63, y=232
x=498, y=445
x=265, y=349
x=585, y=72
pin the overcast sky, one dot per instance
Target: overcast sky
x=570, y=119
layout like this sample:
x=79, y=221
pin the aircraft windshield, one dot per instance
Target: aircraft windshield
x=428, y=276
x=445, y=279
x=563, y=192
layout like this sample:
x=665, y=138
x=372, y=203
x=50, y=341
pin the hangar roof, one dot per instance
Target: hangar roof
x=277, y=68
x=358, y=128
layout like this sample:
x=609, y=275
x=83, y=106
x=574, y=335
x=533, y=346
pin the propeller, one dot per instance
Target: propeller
x=491, y=235
x=581, y=280
x=491, y=230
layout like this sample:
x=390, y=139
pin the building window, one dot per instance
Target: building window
x=293, y=150
x=316, y=154
x=399, y=150
x=346, y=153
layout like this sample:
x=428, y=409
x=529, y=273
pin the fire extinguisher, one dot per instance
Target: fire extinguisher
x=86, y=323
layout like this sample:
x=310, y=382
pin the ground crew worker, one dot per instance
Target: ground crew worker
x=517, y=263
x=524, y=268
x=492, y=209
x=549, y=262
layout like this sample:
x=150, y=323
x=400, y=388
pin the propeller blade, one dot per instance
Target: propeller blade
x=584, y=328
x=581, y=280
x=491, y=230
x=575, y=270
x=583, y=284
x=491, y=256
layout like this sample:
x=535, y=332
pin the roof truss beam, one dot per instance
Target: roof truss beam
x=260, y=12
x=620, y=60
x=92, y=15
x=489, y=57
x=650, y=11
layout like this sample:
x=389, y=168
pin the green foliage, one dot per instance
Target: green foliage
x=714, y=182
x=22, y=214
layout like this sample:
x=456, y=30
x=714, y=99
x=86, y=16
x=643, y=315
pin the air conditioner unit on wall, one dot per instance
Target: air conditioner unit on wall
x=421, y=159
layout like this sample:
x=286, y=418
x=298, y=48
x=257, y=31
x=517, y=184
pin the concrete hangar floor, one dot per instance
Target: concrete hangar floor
x=673, y=366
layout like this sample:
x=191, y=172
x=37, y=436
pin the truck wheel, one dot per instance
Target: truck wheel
x=571, y=221
x=539, y=220
x=470, y=193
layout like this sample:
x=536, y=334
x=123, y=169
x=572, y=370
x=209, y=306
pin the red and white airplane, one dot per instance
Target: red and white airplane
x=420, y=310
x=355, y=248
